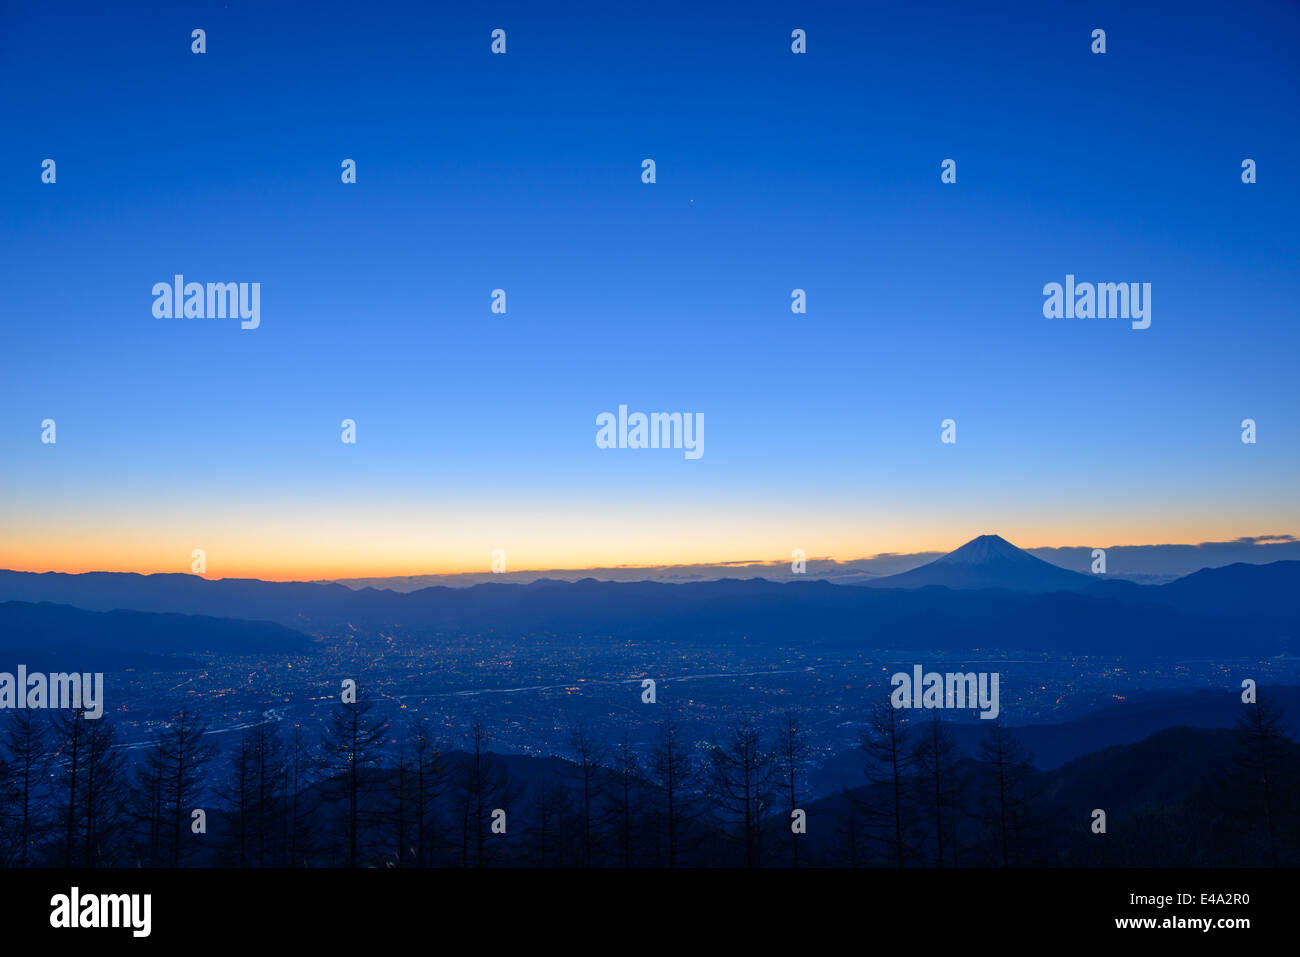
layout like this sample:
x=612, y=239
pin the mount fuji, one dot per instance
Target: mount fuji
x=989, y=561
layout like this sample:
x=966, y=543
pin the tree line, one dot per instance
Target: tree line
x=366, y=792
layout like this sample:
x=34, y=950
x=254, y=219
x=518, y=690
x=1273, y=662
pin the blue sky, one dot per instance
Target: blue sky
x=522, y=171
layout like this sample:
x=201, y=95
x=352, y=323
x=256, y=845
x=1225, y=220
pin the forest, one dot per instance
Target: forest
x=366, y=792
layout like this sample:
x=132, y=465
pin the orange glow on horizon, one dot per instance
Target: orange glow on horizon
x=315, y=558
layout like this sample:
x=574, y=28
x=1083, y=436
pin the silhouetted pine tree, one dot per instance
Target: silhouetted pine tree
x=301, y=806
x=269, y=782
x=553, y=814
x=958, y=819
x=935, y=758
x=104, y=796
x=889, y=763
x=180, y=756
x=741, y=779
x=430, y=772
x=352, y=749
x=590, y=755
x=25, y=739
x=792, y=753
x=401, y=801
x=1008, y=795
x=235, y=792
x=1266, y=758
x=674, y=779
x=255, y=792
x=147, y=810
x=89, y=789
x=484, y=787
x=847, y=833
x=8, y=786
x=70, y=732
x=626, y=788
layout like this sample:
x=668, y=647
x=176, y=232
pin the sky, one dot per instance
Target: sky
x=774, y=171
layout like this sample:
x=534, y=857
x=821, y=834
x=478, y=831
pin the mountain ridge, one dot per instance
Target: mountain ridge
x=987, y=595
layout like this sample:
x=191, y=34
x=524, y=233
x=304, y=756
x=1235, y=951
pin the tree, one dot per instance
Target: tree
x=70, y=732
x=25, y=760
x=674, y=775
x=792, y=753
x=401, y=783
x=352, y=747
x=7, y=781
x=429, y=768
x=89, y=790
x=1263, y=751
x=627, y=786
x=740, y=783
x=300, y=813
x=484, y=788
x=889, y=763
x=256, y=794
x=1008, y=795
x=554, y=806
x=935, y=757
x=269, y=779
x=590, y=755
x=103, y=798
x=238, y=796
x=176, y=764
x=848, y=829
x=960, y=782
x=147, y=808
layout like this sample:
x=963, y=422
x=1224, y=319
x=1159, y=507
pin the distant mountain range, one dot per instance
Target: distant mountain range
x=53, y=637
x=988, y=594
x=1143, y=564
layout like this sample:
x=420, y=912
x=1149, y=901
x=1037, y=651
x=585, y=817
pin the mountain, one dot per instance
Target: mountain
x=988, y=561
x=1272, y=589
x=1049, y=746
x=292, y=604
x=986, y=595
x=45, y=636
x=1141, y=564
x=1174, y=798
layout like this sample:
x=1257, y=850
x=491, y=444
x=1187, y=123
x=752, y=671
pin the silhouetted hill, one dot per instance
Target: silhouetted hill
x=1236, y=589
x=293, y=604
x=1176, y=797
x=58, y=637
x=1161, y=767
x=1245, y=608
x=1052, y=745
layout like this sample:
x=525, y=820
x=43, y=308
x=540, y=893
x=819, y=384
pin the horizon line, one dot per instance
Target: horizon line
x=1245, y=540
